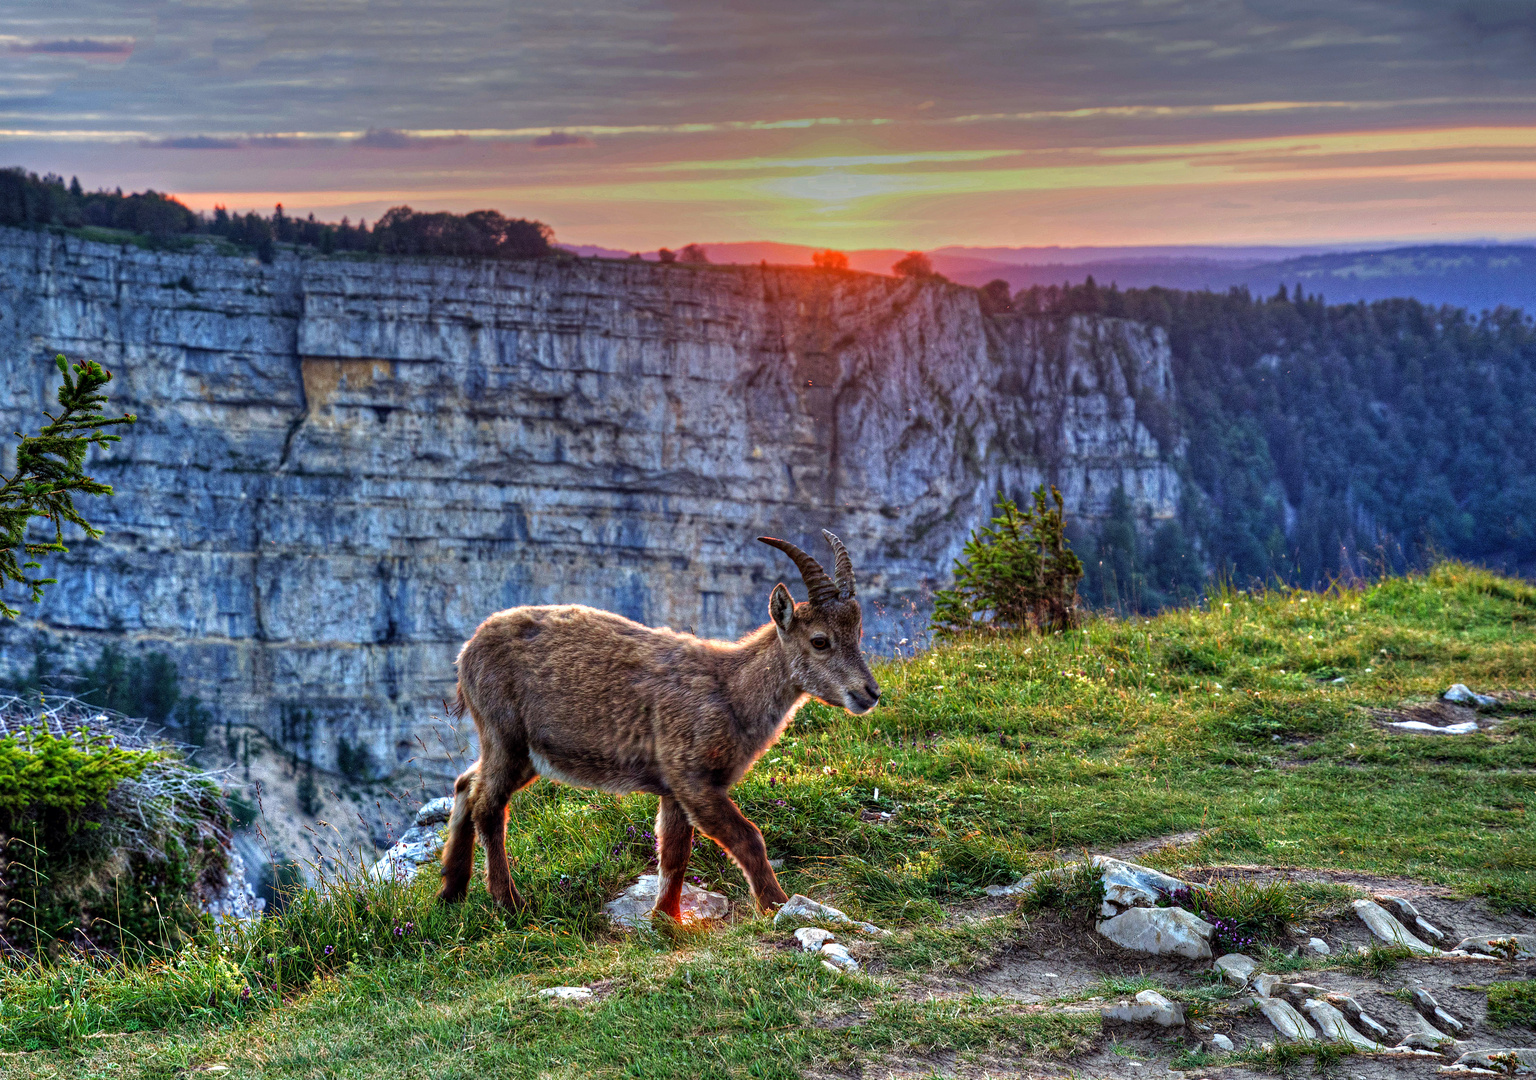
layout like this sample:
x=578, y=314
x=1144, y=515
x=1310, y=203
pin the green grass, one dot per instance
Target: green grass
x=1003, y=756
x=1512, y=1003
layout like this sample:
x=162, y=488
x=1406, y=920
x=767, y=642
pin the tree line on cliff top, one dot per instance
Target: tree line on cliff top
x=27, y=199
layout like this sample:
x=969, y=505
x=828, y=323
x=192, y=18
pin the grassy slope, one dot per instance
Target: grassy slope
x=996, y=751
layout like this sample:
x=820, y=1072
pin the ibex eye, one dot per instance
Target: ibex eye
x=820, y=644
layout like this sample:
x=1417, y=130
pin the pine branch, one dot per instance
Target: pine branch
x=50, y=472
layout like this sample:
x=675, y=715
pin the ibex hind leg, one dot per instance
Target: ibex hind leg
x=503, y=771
x=459, y=851
x=674, y=843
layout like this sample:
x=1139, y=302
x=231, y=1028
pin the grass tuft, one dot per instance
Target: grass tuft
x=1512, y=1003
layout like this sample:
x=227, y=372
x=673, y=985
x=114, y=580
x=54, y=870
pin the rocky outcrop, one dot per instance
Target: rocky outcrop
x=342, y=465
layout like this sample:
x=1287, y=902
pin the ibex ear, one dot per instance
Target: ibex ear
x=782, y=607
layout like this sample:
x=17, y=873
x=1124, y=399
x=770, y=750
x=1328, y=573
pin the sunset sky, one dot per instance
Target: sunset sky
x=872, y=123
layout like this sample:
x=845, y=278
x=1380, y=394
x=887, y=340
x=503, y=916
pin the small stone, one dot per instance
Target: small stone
x=1431, y=1010
x=1222, y=1043
x=1319, y=946
x=1335, y=1027
x=1286, y=1020
x=837, y=955
x=1236, y=968
x=776, y=864
x=1461, y=694
x=1160, y=932
x=1384, y=926
x=800, y=908
x=567, y=993
x=436, y=812
x=1425, y=1040
x=812, y=938
x=1505, y=946
x=1150, y=1007
x=1265, y=985
x=1469, y=727
x=632, y=907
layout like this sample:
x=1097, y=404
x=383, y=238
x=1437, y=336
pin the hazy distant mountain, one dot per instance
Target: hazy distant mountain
x=1474, y=276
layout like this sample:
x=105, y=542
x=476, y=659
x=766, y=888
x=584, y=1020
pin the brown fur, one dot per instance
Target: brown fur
x=593, y=699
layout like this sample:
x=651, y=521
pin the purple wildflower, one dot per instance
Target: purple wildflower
x=329, y=949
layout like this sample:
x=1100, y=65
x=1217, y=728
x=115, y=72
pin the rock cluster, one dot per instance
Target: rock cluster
x=235, y=901
x=420, y=845
x=1133, y=913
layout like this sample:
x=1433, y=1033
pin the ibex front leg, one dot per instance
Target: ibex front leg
x=674, y=843
x=717, y=817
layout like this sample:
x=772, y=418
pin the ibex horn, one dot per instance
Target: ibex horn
x=817, y=584
x=843, y=573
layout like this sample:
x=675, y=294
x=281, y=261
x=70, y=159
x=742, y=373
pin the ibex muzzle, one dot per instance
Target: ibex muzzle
x=590, y=698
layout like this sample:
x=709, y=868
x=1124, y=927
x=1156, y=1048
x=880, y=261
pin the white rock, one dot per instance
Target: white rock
x=1286, y=1020
x=1388, y=929
x=1125, y=884
x=436, y=812
x=1150, y=1007
x=1505, y=946
x=1351, y=1008
x=1461, y=694
x=1418, y=1025
x=800, y=908
x=1469, y=727
x=1430, y=1009
x=632, y=907
x=1236, y=968
x=417, y=847
x=1128, y=885
x=1336, y=1028
x=1160, y=932
x=1319, y=946
x=567, y=993
x=812, y=938
x=1426, y=1040
x=1265, y=985
x=235, y=901
x=837, y=955
x=1506, y=1061
x=1222, y=1043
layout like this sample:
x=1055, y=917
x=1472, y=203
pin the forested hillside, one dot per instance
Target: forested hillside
x=1323, y=440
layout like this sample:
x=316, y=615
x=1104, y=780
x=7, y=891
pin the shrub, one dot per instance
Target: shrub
x=1018, y=574
x=108, y=838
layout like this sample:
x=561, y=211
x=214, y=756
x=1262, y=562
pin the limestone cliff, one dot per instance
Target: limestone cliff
x=342, y=465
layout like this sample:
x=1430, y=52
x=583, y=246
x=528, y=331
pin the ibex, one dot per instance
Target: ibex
x=595, y=700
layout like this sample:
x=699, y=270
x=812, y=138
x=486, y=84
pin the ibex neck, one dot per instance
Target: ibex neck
x=761, y=685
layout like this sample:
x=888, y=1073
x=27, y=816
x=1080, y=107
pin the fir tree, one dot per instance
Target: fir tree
x=50, y=472
x=1018, y=574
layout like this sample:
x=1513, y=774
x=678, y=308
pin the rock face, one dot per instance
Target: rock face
x=343, y=465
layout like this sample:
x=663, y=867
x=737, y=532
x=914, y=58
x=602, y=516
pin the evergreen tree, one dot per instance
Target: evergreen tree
x=1019, y=573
